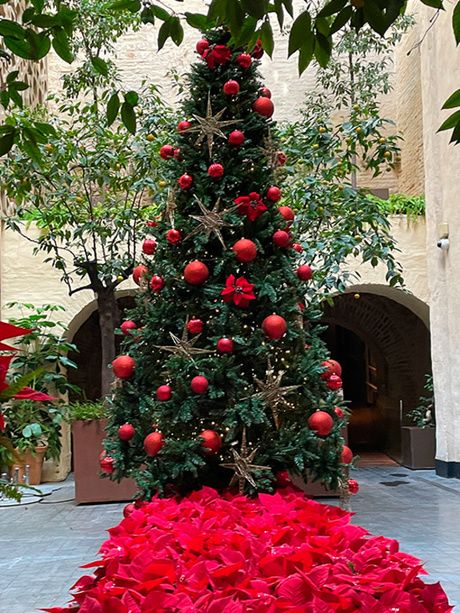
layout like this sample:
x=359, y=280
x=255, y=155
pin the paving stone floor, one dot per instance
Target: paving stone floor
x=43, y=544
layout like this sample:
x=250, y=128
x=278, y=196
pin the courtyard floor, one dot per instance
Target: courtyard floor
x=43, y=544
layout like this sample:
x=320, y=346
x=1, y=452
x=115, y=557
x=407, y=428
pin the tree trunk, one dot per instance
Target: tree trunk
x=108, y=321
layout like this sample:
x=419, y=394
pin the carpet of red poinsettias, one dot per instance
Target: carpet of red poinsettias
x=233, y=555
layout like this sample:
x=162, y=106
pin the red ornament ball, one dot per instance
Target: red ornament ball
x=202, y=45
x=199, y=384
x=153, y=442
x=149, y=246
x=346, y=456
x=334, y=383
x=231, y=88
x=264, y=91
x=127, y=327
x=244, y=60
x=353, y=486
x=157, y=283
x=183, y=125
x=138, y=273
x=225, y=345
x=126, y=432
x=123, y=366
x=286, y=213
x=274, y=193
x=107, y=465
x=245, y=250
x=258, y=51
x=304, y=272
x=173, y=236
x=332, y=368
x=196, y=273
x=212, y=441
x=339, y=412
x=185, y=181
x=297, y=247
x=164, y=393
x=216, y=171
x=274, y=326
x=195, y=326
x=129, y=508
x=166, y=152
x=236, y=138
x=281, y=238
x=263, y=106
x=321, y=423
x=281, y=158
x=151, y=224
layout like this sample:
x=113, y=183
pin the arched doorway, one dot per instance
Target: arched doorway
x=384, y=349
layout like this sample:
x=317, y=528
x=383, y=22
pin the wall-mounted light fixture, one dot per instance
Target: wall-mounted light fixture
x=443, y=236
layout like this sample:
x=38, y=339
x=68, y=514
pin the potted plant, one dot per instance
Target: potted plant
x=89, y=421
x=419, y=440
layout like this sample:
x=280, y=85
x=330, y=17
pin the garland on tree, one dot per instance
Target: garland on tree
x=223, y=380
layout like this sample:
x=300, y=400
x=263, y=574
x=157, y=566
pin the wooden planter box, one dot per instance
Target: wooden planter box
x=418, y=447
x=89, y=486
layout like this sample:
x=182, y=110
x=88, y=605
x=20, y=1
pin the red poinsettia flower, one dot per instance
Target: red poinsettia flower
x=240, y=291
x=9, y=331
x=26, y=393
x=217, y=55
x=252, y=206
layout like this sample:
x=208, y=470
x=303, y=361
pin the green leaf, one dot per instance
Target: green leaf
x=341, y=19
x=452, y=101
x=12, y=76
x=255, y=8
x=160, y=12
x=7, y=141
x=100, y=66
x=147, y=15
x=456, y=22
x=279, y=11
x=234, y=15
x=128, y=117
x=217, y=9
x=332, y=7
x=132, y=97
x=322, y=50
x=129, y=5
x=288, y=6
x=455, y=138
x=113, y=106
x=11, y=29
x=301, y=29
x=436, y=4
x=61, y=45
x=450, y=122
x=306, y=53
x=198, y=21
x=163, y=34
x=177, y=31
x=266, y=35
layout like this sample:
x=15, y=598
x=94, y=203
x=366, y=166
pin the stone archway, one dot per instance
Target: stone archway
x=382, y=339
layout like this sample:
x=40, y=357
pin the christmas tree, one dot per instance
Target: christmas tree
x=224, y=379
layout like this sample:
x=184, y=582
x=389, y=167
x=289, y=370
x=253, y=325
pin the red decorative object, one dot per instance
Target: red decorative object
x=217, y=56
x=321, y=423
x=274, y=326
x=231, y=88
x=239, y=291
x=2, y=422
x=166, y=152
x=195, y=326
x=153, y=442
x=129, y=508
x=281, y=158
x=157, y=283
x=183, y=125
x=225, y=345
x=199, y=384
x=173, y=236
x=216, y=171
x=236, y=138
x=334, y=383
x=196, y=273
x=202, y=45
x=244, y=60
x=304, y=272
x=245, y=250
x=151, y=224
x=287, y=213
x=164, y=393
x=282, y=479
x=264, y=91
x=127, y=327
x=123, y=366
x=258, y=51
x=185, y=181
x=297, y=247
x=212, y=441
x=139, y=272
x=252, y=206
x=332, y=368
x=177, y=154
x=126, y=432
x=353, y=488
x=149, y=246
x=263, y=106
x=339, y=412
x=281, y=238
x=346, y=456
x=274, y=193
x=107, y=465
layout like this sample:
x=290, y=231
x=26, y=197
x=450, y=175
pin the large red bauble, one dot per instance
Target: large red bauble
x=346, y=456
x=245, y=250
x=126, y=432
x=127, y=326
x=123, y=366
x=216, y=171
x=199, y=384
x=153, y=442
x=281, y=238
x=164, y=393
x=304, y=272
x=202, y=45
x=321, y=423
x=332, y=368
x=274, y=193
x=334, y=383
x=195, y=326
x=196, y=273
x=107, y=465
x=157, y=283
x=264, y=91
x=244, y=60
x=263, y=106
x=138, y=273
x=173, y=236
x=167, y=151
x=236, y=138
x=225, y=345
x=149, y=246
x=274, y=326
x=185, y=181
x=231, y=88
x=353, y=486
x=286, y=213
x=212, y=441
x=183, y=125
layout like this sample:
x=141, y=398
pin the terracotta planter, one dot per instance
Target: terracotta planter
x=35, y=461
x=89, y=486
x=418, y=447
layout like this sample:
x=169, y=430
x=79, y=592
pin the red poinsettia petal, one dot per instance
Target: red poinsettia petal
x=5, y=361
x=9, y=331
x=2, y=422
x=28, y=393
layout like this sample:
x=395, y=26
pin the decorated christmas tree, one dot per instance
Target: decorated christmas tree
x=224, y=379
